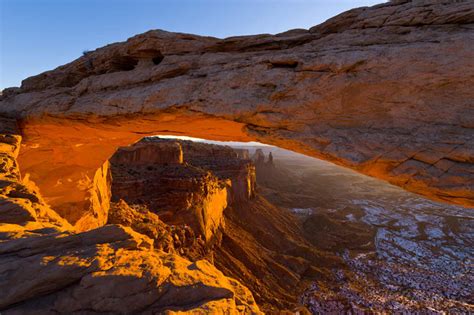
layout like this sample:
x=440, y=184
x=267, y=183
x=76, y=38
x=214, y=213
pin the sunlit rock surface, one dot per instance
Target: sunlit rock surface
x=179, y=239
x=255, y=242
x=111, y=269
x=385, y=90
x=46, y=267
x=192, y=183
x=20, y=201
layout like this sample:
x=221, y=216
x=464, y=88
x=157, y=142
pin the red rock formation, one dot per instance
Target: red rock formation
x=242, y=153
x=268, y=175
x=186, y=183
x=261, y=245
x=47, y=267
x=143, y=154
x=264, y=247
x=111, y=269
x=20, y=201
x=169, y=238
x=226, y=163
x=370, y=89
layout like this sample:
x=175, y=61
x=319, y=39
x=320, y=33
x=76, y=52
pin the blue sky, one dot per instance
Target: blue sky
x=39, y=35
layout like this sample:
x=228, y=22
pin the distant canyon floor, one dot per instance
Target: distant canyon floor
x=403, y=253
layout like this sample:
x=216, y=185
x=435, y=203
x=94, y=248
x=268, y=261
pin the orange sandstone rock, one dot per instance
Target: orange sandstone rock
x=47, y=267
x=385, y=90
x=192, y=190
x=20, y=201
x=111, y=269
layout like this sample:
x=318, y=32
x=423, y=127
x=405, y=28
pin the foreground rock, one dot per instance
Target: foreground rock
x=370, y=89
x=110, y=270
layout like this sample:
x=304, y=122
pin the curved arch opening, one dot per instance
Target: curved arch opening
x=343, y=217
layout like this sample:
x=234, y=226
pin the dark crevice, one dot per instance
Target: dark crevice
x=122, y=63
x=290, y=64
x=158, y=59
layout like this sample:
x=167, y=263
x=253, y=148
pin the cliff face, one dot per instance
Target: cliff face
x=185, y=183
x=160, y=153
x=47, y=267
x=370, y=89
x=244, y=236
x=20, y=201
x=227, y=164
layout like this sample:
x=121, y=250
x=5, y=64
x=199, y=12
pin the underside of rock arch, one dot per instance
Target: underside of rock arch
x=385, y=90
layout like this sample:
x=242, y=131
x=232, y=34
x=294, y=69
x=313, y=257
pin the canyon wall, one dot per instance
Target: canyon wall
x=47, y=267
x=20, y=201
x=243, y=235
x=183, y=182
x=384, y=90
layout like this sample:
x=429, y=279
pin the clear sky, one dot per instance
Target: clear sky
x=39, y=35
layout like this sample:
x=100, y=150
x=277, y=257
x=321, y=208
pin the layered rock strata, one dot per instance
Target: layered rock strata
x=227, y=164
x=47, y=267
x=261, y=245
x=370, y=89
x=185, y=183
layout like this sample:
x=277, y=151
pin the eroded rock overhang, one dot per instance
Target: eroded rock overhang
x=385, y=90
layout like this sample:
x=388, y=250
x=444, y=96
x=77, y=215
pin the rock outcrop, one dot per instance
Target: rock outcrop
x=185, y=183
x=268, y=174
x=20, y=201
x=111, y=269
x=47, y=267
x=264, y=247
x=385, y=90
x=178, y=239
x=255, y=242
x=227, y=164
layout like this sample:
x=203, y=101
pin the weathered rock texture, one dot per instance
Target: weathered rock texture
x=385, y=90
x=227, y=164
x=111, y=269
x=48, y=268
x=181, y=240
x=261, y=245
x=264, y=247
x=183, y=182
x=20, y=201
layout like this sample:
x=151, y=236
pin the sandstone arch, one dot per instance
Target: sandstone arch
x=385, y=90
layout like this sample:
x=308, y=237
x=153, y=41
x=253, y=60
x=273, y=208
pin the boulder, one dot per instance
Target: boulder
x=111, y=269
